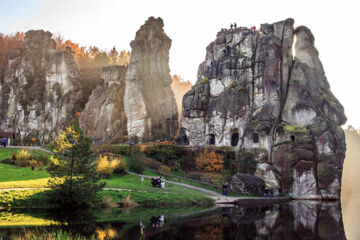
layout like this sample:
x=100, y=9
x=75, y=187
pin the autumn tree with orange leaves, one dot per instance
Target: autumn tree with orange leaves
x=8, y=43
x=210, y=162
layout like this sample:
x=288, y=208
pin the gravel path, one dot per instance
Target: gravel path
x=32, y=148
x=211, y=193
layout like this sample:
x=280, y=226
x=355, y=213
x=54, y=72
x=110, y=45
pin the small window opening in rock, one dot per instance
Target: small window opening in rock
x=212, y=139
x=256, y=138
x=234, y=139
x=292, y=138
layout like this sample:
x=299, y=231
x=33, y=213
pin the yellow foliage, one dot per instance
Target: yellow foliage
x=23, y=157
x=142, y=147
x=232, y=84
x=210, y=162
x=107, y=165
x=33, y=139
x=54, y=160
x=65, y=139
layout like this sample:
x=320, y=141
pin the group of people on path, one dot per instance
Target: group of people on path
x=158, y=182
x=4, y=142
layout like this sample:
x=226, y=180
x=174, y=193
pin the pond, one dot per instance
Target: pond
x=294, y=220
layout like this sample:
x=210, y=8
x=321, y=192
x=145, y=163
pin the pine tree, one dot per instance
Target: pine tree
x=74, y=180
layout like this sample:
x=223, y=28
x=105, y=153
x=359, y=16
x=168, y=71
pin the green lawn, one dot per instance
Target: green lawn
x=10, y=172
x=134, y=183
x=12, y=176
x=7, y=152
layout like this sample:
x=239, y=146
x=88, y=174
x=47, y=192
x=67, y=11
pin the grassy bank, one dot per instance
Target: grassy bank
x=141, y=192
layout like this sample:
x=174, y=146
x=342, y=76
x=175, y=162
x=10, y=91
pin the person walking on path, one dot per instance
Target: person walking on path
x=162, y=182
x=4, y=142
x=225, y=189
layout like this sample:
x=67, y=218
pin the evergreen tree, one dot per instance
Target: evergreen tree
x=73, y=170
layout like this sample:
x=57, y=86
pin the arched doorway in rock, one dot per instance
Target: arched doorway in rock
x=256, y=138
x=212, y=139
x=292, y=138
x=234, y=139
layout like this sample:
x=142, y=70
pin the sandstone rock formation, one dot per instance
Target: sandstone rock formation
x=149, y=102
x=253, y=94
x=180, y=88
x=247, y=185
x=103, y=118
x=39, y=88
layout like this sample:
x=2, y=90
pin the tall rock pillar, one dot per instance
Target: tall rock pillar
x=149, y=102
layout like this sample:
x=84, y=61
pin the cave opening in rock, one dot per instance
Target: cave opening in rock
x=212, y=139
x=234, y=139
x=256, y=138
x=292, y=138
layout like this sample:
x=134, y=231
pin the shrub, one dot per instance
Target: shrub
x=204, y=80
x=136, y=162
x=164, y=169
x=120, y=165
x=109, y=203
x=161, y=152
x=210, y=162
x=33, y=163
x=128, y=204
x=42, y=158
x=120, y=139
x=106, y=166
x=22, y=158
x=240, y=88
x=103, y=166
x=232, y=84
x=116, y=149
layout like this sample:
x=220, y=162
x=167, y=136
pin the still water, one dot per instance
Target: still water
x=294, y=220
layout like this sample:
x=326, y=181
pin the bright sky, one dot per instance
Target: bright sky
x=192, y=25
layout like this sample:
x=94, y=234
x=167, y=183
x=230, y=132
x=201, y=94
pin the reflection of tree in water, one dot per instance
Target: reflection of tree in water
x=77, y=221
x=295, y=220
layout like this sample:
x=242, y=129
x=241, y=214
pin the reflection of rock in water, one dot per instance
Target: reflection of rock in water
x=297, y=220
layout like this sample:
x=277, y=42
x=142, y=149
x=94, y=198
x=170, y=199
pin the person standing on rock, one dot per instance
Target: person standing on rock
x=231, y=26
x=234, y=25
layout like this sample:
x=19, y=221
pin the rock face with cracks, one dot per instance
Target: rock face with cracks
x=39, y=89
x=252, y=93
x=103, y=118
x=150, y=105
